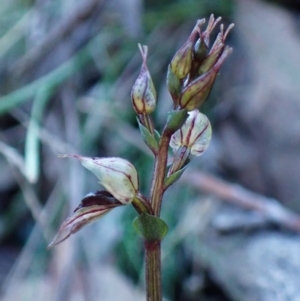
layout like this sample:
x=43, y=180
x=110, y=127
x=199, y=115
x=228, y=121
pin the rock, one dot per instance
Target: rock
x=259, y=121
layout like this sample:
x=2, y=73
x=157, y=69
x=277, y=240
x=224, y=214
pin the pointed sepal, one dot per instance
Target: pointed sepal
x=176, y=119
x=92, y=207
x=173, y=177
x=148, y=138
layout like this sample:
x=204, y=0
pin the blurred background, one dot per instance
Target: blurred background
x=66, y=72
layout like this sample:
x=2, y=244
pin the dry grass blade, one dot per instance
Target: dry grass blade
x=14, y=34
x=13, y=156
x=60, y=31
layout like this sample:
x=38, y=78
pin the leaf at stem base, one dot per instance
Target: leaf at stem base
x=150, y=227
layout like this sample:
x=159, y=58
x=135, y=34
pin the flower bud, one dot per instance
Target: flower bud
x=215, y=51
x=196, y=92
x=200, y=50
x=195, y=134
x=182, y=61
x=92, y=207
x=118, y=176
x=143, y=94
x=210, y=60
x=202, y=44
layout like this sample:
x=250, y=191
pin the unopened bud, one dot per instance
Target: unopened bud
x=118, y=176
x=200, y=50
x=92, y=207
x=182, y=61
x=194, y=135
x=143, y=94
x=210, y=60
x=196, y=92
x=216, y=50
x=202, y=44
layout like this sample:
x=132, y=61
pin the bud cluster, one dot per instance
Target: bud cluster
x=194, y=67
x=191, y=75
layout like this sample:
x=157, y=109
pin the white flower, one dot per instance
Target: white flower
x=195, y=134
x=116, y=175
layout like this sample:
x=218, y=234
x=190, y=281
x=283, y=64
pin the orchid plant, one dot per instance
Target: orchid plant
x=187, y=131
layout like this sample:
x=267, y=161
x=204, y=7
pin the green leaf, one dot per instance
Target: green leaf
x=150, y=227
x=150, y=140
x=173, y=177
x=157, y=136
x=176, y=119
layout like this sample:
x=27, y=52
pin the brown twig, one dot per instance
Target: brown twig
x=242, y=197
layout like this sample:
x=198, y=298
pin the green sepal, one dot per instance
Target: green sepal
x=174, y=85
x=176, y=119
x=210, y=60
x=173, y=177
x=149, y=139
x=150, y=227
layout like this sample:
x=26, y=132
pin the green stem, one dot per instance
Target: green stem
x=146, y=121
x=160, y=167
x=153, y=271
x=153, y=249
x=153, y=260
